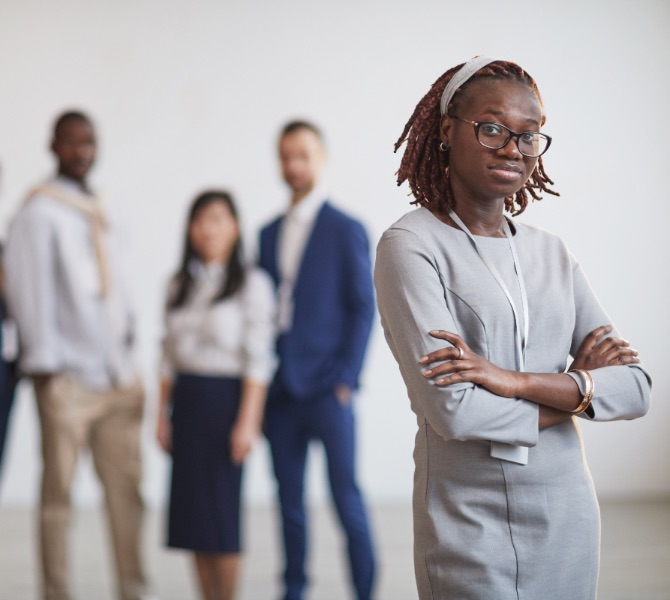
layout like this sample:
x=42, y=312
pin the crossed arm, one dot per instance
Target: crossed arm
x=557, y=394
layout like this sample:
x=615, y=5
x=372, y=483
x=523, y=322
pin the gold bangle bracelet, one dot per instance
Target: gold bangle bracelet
x=589, y=386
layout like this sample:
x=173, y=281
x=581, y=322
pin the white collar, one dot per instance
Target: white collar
x=307, y=209
x=205, y=271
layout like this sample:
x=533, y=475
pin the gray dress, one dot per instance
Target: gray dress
x=486, y=528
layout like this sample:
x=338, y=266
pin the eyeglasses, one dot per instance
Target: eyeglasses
x=496, y=136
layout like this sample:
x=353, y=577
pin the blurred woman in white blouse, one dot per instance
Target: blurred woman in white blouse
x=218, y=357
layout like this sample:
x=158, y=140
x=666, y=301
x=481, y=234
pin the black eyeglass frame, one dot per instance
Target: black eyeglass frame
x=512, y=134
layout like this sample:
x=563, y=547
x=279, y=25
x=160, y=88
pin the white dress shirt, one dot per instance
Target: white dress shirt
x=53, y=294
x=231, y=338
x=295, y=230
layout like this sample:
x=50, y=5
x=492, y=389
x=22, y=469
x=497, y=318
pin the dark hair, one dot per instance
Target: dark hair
x=235, y=273
x=299, y=125
x=424, y=165
x=67, y=117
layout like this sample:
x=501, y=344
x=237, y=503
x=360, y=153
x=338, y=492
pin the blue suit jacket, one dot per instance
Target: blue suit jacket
x=333, y=305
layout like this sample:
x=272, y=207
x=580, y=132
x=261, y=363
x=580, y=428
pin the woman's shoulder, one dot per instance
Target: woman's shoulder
x=544, y=246
x=419, y=224
x=416, y=221
x=532, y=234
x=257, y=296
x=418, y=233
x=257, y=281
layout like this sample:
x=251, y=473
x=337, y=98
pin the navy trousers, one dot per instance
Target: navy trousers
x=290, y=426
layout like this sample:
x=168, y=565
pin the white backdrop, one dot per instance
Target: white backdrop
x=191, y=94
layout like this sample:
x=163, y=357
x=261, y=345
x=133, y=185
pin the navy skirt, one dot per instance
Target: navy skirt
x=204, y=511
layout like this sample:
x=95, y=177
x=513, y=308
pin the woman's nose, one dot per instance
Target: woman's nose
x=511, y=148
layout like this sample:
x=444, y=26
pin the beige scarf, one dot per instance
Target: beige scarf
x=91, y=206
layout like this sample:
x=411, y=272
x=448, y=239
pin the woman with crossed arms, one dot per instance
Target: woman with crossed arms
x=504, y=505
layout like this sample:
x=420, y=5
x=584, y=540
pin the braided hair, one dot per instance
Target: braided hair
x=424, y=165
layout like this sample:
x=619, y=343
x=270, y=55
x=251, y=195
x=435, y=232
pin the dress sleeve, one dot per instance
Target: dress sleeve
x=259, y=310
x=620, y=392
x=411, y=300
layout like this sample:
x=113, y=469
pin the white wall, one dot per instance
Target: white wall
x=191, y=94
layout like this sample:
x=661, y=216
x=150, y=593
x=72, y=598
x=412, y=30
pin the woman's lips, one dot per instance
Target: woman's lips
x=505, y=172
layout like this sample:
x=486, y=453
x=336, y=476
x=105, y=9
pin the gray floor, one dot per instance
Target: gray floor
x=635, y=556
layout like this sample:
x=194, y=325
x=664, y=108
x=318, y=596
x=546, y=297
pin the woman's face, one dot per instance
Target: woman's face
x=478, y=173
x=213, y=232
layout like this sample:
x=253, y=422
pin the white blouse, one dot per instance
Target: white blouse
x=234, y=337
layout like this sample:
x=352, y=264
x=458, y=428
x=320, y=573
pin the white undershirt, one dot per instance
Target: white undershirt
x=295, y=230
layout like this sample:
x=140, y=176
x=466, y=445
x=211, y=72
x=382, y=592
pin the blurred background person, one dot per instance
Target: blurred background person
x=8, y=357
x=66, y=289
x=318, y=258
x=218, y=359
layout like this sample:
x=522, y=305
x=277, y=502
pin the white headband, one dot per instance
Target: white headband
x=460, y=77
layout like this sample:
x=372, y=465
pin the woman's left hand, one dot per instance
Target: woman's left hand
x=465, y=365
x=242, y=440
x=598, y=351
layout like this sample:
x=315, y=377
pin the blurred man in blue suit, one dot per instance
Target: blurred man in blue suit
x=318, y=258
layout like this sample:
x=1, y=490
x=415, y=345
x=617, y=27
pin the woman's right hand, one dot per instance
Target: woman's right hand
x=164, y=432
x=595, y=352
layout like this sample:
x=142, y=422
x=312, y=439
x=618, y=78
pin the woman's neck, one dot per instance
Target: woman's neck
x=481, y=219
x=218, y=259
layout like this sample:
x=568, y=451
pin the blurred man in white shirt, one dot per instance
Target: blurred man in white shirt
x=66, y=292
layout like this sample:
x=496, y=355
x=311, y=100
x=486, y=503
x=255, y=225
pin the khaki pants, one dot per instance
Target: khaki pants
x=108, y=423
